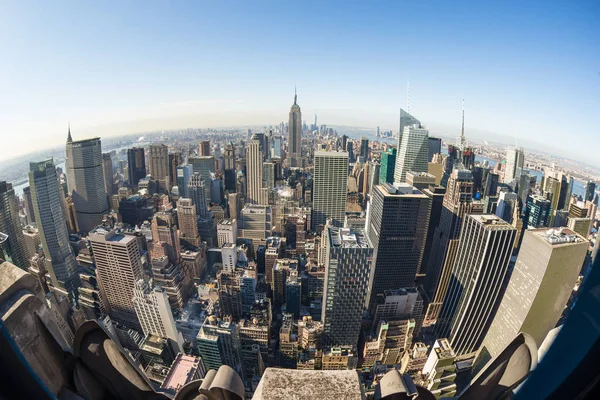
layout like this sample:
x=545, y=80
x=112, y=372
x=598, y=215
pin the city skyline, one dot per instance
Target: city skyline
x=93, y=81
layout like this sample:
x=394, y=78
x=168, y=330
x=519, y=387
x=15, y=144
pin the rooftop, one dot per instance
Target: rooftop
x=491, y=220
x=558, y=236
x=400, y=189
x=279, y=383
x=348, y=238
x=182, y=372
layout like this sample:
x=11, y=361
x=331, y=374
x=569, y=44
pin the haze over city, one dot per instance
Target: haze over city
x=115, y=68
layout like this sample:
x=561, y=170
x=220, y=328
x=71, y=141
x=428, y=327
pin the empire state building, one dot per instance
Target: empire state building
x=295, y=135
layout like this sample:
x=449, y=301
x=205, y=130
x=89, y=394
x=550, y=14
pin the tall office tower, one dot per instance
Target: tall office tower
x=235, y=205
x=165, y=236
x=254, y=173
x=85, y=178
x=388, y=164
x=229, y=167
x=412, y=152
x=197, y=190
x=590, y=190
x=118, y=267
x=188, y=223
x=218, y=343
x=268, y=175
x=295, y=136
x=9, y=225
x=256, y=222
x=434, y=146
x=350, y=151
x=204, y=148
x=159, y=165
x=205, y=167
x=229, y=257
x=539, y=288
x=581, y=226
x=347, y=267
x=364, y=148
x=515, y=159
x=136, y=165
x=293, y=294
x=436, y=197
x=537, y=212
x=227, y=231
x=405, y=120
x=397, y=228
x=506, y=206
x=174, y=161
x=154, y=313
x=481, y=264
x=276, y=146
x=50, y=220
x=184, y=173
x=107, y=168
x=329, y=187
x=458, y=201
x=28, y=202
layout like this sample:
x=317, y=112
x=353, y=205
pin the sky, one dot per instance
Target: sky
x=528, y=71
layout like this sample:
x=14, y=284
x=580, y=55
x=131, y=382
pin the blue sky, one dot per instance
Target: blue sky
x=530, y=71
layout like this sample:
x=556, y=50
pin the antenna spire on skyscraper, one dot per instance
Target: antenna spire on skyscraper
x=69, y=138
x=295, y=95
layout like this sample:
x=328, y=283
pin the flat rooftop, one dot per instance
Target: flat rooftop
x=278, y=383
x=348, y=238
x=400, y=189
x=182, y=372
x=558, y=236
x=492, y=221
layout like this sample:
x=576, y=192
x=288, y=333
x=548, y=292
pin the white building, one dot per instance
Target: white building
x=413, y=152
x=155, y=315
x=227, y=231
x=229, y=256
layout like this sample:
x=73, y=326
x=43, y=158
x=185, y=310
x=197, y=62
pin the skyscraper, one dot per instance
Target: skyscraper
x=543, y=278
x=348, y=262
x=537, y=211
x=481, y=264
x=85, y=179
x=434, y=146
x=9, y=225
x=412, y=152
x=159, y=165
x=50, y=220
x=254, y=163
x=329, y=187
x=184, y=173
x=458, y=201
x=397, y=225
x=197, y=190
x=590, y=190
x=28, y=203
x=229, y=166
x=204, y=148
x=107, y=167
x=388, y=164
x=118, y=268
x=515, y=159
x=295, y=136
x=154, y=313
x=364, y=148
x=136, y=168
x=188, y=223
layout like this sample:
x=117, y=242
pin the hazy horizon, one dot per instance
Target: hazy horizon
x=132, y=67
